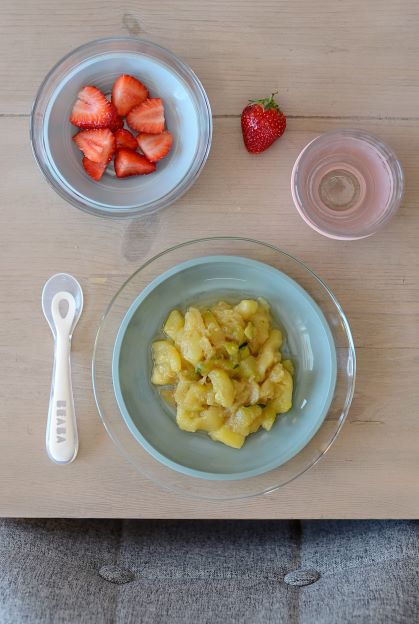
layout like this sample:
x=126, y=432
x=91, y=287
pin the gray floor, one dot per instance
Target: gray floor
x=167, y=572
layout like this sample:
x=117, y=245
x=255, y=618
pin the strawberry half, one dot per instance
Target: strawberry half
x=155, y=146
x=116, y=121
x=91, y=109
x=128, y=92
x=124, y=138
x=93, y=169
x=129, y=163
x=147, y=117
x=97, y=145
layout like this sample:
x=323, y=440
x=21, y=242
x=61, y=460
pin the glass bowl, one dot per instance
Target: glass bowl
x=126, y=300
x=188, y=117
x=346, y=184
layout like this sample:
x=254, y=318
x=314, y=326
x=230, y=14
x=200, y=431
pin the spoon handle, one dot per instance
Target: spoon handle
x=61, y=438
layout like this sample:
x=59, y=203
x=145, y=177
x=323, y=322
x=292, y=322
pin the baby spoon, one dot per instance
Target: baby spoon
x=62, y=304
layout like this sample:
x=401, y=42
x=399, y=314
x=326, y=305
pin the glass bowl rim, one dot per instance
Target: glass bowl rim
x=176, y=192
x=345, y=409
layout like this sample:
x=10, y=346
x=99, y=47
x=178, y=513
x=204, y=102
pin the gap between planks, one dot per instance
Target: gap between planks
x=326, y=117
x=333, y=117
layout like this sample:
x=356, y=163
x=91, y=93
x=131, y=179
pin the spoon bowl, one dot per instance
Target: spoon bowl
x=61, y=282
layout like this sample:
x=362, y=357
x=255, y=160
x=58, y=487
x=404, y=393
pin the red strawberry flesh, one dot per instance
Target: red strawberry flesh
x=97, y=145
x=129, y=163
x=91, y=109
x=147, y=117
x=128, y=92
x=116, y=121
x=155, y=146
x=93, y=169
x=124, y=138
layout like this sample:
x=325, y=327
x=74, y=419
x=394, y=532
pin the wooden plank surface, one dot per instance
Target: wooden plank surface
x=342, y=58
x=329, y=60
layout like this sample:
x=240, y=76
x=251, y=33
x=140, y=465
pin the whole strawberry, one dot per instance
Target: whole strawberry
x=262, y=123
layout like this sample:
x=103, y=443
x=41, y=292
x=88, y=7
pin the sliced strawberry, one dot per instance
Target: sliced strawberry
x=155, y=146
x=97, y=145
x=91, y=109
x=93, y=169
x=116, y=121
x=128, y=163
x=147, y=117
x=124, y=138
x=128, y=92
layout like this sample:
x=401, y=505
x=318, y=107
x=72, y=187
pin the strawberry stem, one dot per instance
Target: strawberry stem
x=268, y=102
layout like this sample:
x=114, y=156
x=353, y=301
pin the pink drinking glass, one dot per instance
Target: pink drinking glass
x=346, y=184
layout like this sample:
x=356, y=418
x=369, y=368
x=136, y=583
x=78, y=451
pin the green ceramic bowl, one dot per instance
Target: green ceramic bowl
x=308, y=341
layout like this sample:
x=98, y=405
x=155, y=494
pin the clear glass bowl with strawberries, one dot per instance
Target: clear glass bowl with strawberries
x=121, y=127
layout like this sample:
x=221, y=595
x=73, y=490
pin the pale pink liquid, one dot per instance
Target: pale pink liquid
x=345, y=184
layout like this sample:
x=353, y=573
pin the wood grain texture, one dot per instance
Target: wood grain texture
x=329, y=60
x=342, y=58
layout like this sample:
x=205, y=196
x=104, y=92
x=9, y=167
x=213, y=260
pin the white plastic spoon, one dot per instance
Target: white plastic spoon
x=62, y=304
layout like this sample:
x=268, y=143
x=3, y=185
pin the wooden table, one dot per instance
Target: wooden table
x=335, y=64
